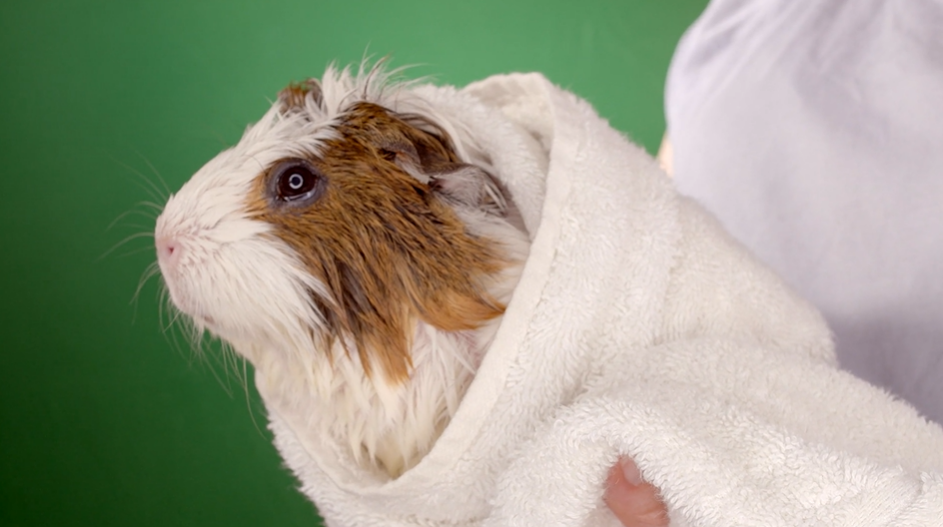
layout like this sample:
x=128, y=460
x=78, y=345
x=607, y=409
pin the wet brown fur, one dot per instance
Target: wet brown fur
x=388, y=248
x=293, y=96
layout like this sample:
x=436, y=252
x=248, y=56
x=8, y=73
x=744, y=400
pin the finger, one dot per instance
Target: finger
x=634, y=502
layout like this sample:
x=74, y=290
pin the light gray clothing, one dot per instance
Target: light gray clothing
x=814, y=130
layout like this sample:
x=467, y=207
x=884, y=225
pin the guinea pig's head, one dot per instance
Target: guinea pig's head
x=340, y=220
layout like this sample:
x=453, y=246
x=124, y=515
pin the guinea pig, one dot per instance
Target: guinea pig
x=356, y=248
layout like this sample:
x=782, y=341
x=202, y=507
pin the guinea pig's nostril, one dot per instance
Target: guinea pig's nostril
x=168, y=250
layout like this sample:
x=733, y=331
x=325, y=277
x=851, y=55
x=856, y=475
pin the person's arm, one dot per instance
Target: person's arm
x=666, y=155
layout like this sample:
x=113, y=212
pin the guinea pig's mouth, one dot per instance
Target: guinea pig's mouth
x=205, y=320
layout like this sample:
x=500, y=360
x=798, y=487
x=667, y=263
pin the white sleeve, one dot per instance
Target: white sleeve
x=812, y=130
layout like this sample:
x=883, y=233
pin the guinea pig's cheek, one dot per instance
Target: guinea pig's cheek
x=185, y=279
x=238, y=289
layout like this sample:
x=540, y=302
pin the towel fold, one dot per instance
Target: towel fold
x=638, y=328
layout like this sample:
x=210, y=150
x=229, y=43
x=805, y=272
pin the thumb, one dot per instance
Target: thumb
x=634, y=502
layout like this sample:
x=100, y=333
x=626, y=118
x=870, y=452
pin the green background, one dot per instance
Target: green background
x=107, y=419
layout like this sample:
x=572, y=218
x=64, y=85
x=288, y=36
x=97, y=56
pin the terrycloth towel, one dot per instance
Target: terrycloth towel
x=639, y=327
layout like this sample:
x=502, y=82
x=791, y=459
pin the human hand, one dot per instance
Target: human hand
x=634, y=502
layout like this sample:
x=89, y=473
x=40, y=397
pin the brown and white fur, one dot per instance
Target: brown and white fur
x=367, y=300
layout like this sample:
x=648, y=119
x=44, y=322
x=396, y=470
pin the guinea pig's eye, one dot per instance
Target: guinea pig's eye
x=296, y=180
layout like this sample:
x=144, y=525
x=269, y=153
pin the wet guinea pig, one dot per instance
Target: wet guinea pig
x=355, y=247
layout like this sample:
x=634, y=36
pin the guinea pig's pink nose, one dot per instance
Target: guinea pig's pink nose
x=168, y=251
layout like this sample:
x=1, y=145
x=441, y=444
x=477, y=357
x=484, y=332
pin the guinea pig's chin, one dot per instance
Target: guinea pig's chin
x=186, y=305
x=204, y=320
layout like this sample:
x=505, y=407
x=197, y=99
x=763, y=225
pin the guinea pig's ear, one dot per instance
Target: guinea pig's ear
x=421, y=147
x=293, y=96
x=428, y=154
x=435, y=147
x=470, y=185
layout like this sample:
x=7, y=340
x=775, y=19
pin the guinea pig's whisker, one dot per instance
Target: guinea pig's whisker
x=212, y=361
x=189, y=330
x=157, y=174
x=139, y=226
x=222, y=357
x=232, y=361
x=133, y=212
x=133, y=252
x=164, y=305
x=148, y=209
x=239, y=369
x=245, y=377
x=163, y=300
x=197, y=336
x=176, y=315
x=149, y=272
x=155, y=192
x=168, y=316
x=223, y=142
x=124, y=241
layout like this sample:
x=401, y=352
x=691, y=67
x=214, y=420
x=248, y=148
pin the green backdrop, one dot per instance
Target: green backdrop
x=107, y=419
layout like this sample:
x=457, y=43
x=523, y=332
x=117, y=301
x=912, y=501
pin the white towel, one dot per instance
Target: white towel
x=639, y=327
